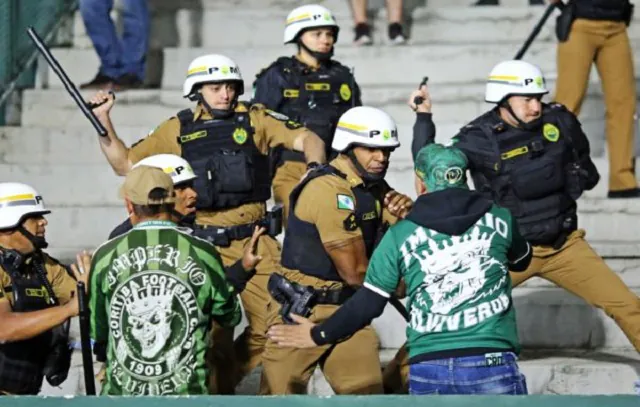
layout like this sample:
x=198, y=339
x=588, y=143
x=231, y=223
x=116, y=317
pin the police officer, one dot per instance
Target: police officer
x=454, y=249
x=336, y=216
x=183, y=178
x=36, y=294
x=597, y=33
x=227, y=143
x=309, y=87
x=533, y=159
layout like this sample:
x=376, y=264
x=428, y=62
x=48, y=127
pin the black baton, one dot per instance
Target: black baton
x=536, y=30
x=85, y=342
x=69, y=86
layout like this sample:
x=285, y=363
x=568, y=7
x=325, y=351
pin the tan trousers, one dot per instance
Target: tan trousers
x=287, y=177
x=230, y=361
x=350, y=367
x=574, y=267
x=606, y=43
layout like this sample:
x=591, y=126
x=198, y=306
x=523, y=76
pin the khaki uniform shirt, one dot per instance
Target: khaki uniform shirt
x=318, y=204
x=61, y=282
x=271, y=130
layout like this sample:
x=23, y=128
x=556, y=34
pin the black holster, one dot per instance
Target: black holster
x=273, y=221
x=293, y=297
x=56, y=368
x=564, y=21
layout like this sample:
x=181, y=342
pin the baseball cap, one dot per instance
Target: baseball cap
x=442, y=167
x=139, y=183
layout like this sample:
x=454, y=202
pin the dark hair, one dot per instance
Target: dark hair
x=154, y=210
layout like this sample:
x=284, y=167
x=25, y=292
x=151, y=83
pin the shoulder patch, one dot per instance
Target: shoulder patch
x=242, y=107
x=292, y=125
x=345, y=202
x=276, y=115
x=350, y=223
x=551, y=132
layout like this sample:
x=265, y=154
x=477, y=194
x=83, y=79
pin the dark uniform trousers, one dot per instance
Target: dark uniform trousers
x=577, y=268
x=607, y=44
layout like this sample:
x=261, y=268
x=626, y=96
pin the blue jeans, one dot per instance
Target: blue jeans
x=118, y=57
x=493, y=373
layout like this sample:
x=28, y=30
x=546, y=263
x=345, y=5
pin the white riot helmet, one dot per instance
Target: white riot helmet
x=211, y=68
x=514, y=78
x=309, y=16
x=18, y=201
x=175, y=166
x=365, y=126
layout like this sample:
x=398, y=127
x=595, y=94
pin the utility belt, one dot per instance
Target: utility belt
x=223, y=236
x=300, y=299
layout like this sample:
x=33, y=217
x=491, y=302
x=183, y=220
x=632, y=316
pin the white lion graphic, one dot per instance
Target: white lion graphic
x=455, y=271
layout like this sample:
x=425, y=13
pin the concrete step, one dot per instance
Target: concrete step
x=390, y=66
x=451, y=104
x=86, y=191
x=93, y=183
x=554, y=372
x=73, y=227
x=453, y=107
x=548, y=318
x=182, y=26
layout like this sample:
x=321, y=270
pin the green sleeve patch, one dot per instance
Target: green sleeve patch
x=346, y=202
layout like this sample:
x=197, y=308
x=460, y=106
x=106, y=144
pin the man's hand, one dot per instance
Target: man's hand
x=103, y=110
x=425, y=106
x=250, y=259
x=82, y=267
x=398, y=204
x=293, y=336
x=101, y=376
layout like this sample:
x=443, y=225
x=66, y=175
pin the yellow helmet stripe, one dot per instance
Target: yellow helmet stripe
x=20, y=197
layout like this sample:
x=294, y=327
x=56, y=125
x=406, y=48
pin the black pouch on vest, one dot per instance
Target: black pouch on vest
x=56, y=368
x=232, y=172
x=541, y=177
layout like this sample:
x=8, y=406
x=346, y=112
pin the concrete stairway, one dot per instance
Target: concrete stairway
x=571, y=347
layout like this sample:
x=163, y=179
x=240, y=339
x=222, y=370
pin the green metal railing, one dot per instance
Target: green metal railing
x=17, y=53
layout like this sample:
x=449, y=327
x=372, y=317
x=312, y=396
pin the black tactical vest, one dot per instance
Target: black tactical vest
x=303, y=249
x=230, y=169
x=316, y=99
x=22, y=362
x=610, y=10
x=530, y=173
